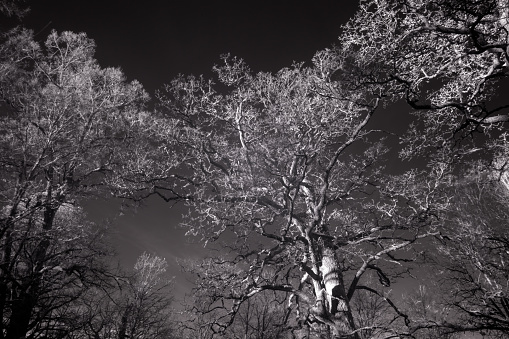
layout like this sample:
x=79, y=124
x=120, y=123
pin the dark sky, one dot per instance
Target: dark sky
x=154, y=41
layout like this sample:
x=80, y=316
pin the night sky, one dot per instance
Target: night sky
x=154, y=41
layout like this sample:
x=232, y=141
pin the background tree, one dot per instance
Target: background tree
x=139, y=307
x=429, y=311
x=372, y=313
x=261, y=317
x=288, y=166
x=65, y=126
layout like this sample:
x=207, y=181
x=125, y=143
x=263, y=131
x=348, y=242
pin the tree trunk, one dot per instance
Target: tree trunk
x=20, y=318
x=337, y=304
x=122, y=331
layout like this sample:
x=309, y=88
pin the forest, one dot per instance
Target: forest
x=362, y=194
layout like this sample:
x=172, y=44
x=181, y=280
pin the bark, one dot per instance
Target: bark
x=337, y=303
x=333, y=283
x=319, y=307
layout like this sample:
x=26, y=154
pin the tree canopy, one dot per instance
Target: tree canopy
x=447, y=59
x=66, y=127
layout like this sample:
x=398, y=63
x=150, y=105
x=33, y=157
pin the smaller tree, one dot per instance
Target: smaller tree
x=373, y=315
x=139, y=307
x=428, y=314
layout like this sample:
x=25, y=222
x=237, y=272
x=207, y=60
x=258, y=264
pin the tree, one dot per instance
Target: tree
x=288, y=166
x=446, y=59
x=67, y=127
x=56, y=283
x=427, y=308
x=372, y=313
x=139, y=307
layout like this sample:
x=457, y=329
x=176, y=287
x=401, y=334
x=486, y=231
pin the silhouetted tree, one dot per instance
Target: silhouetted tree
x=64, y=128
x=49, y=288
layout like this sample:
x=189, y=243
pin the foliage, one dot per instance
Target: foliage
x=13, y=8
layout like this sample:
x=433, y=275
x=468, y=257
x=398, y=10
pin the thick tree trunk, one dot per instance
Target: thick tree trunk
x=337, y=303
x=333, y=281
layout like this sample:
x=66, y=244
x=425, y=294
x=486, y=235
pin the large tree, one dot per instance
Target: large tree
x=286, y=167
x=66, y=126
x=449, y=61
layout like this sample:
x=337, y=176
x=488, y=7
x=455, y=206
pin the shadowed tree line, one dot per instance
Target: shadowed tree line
x=284, y=172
